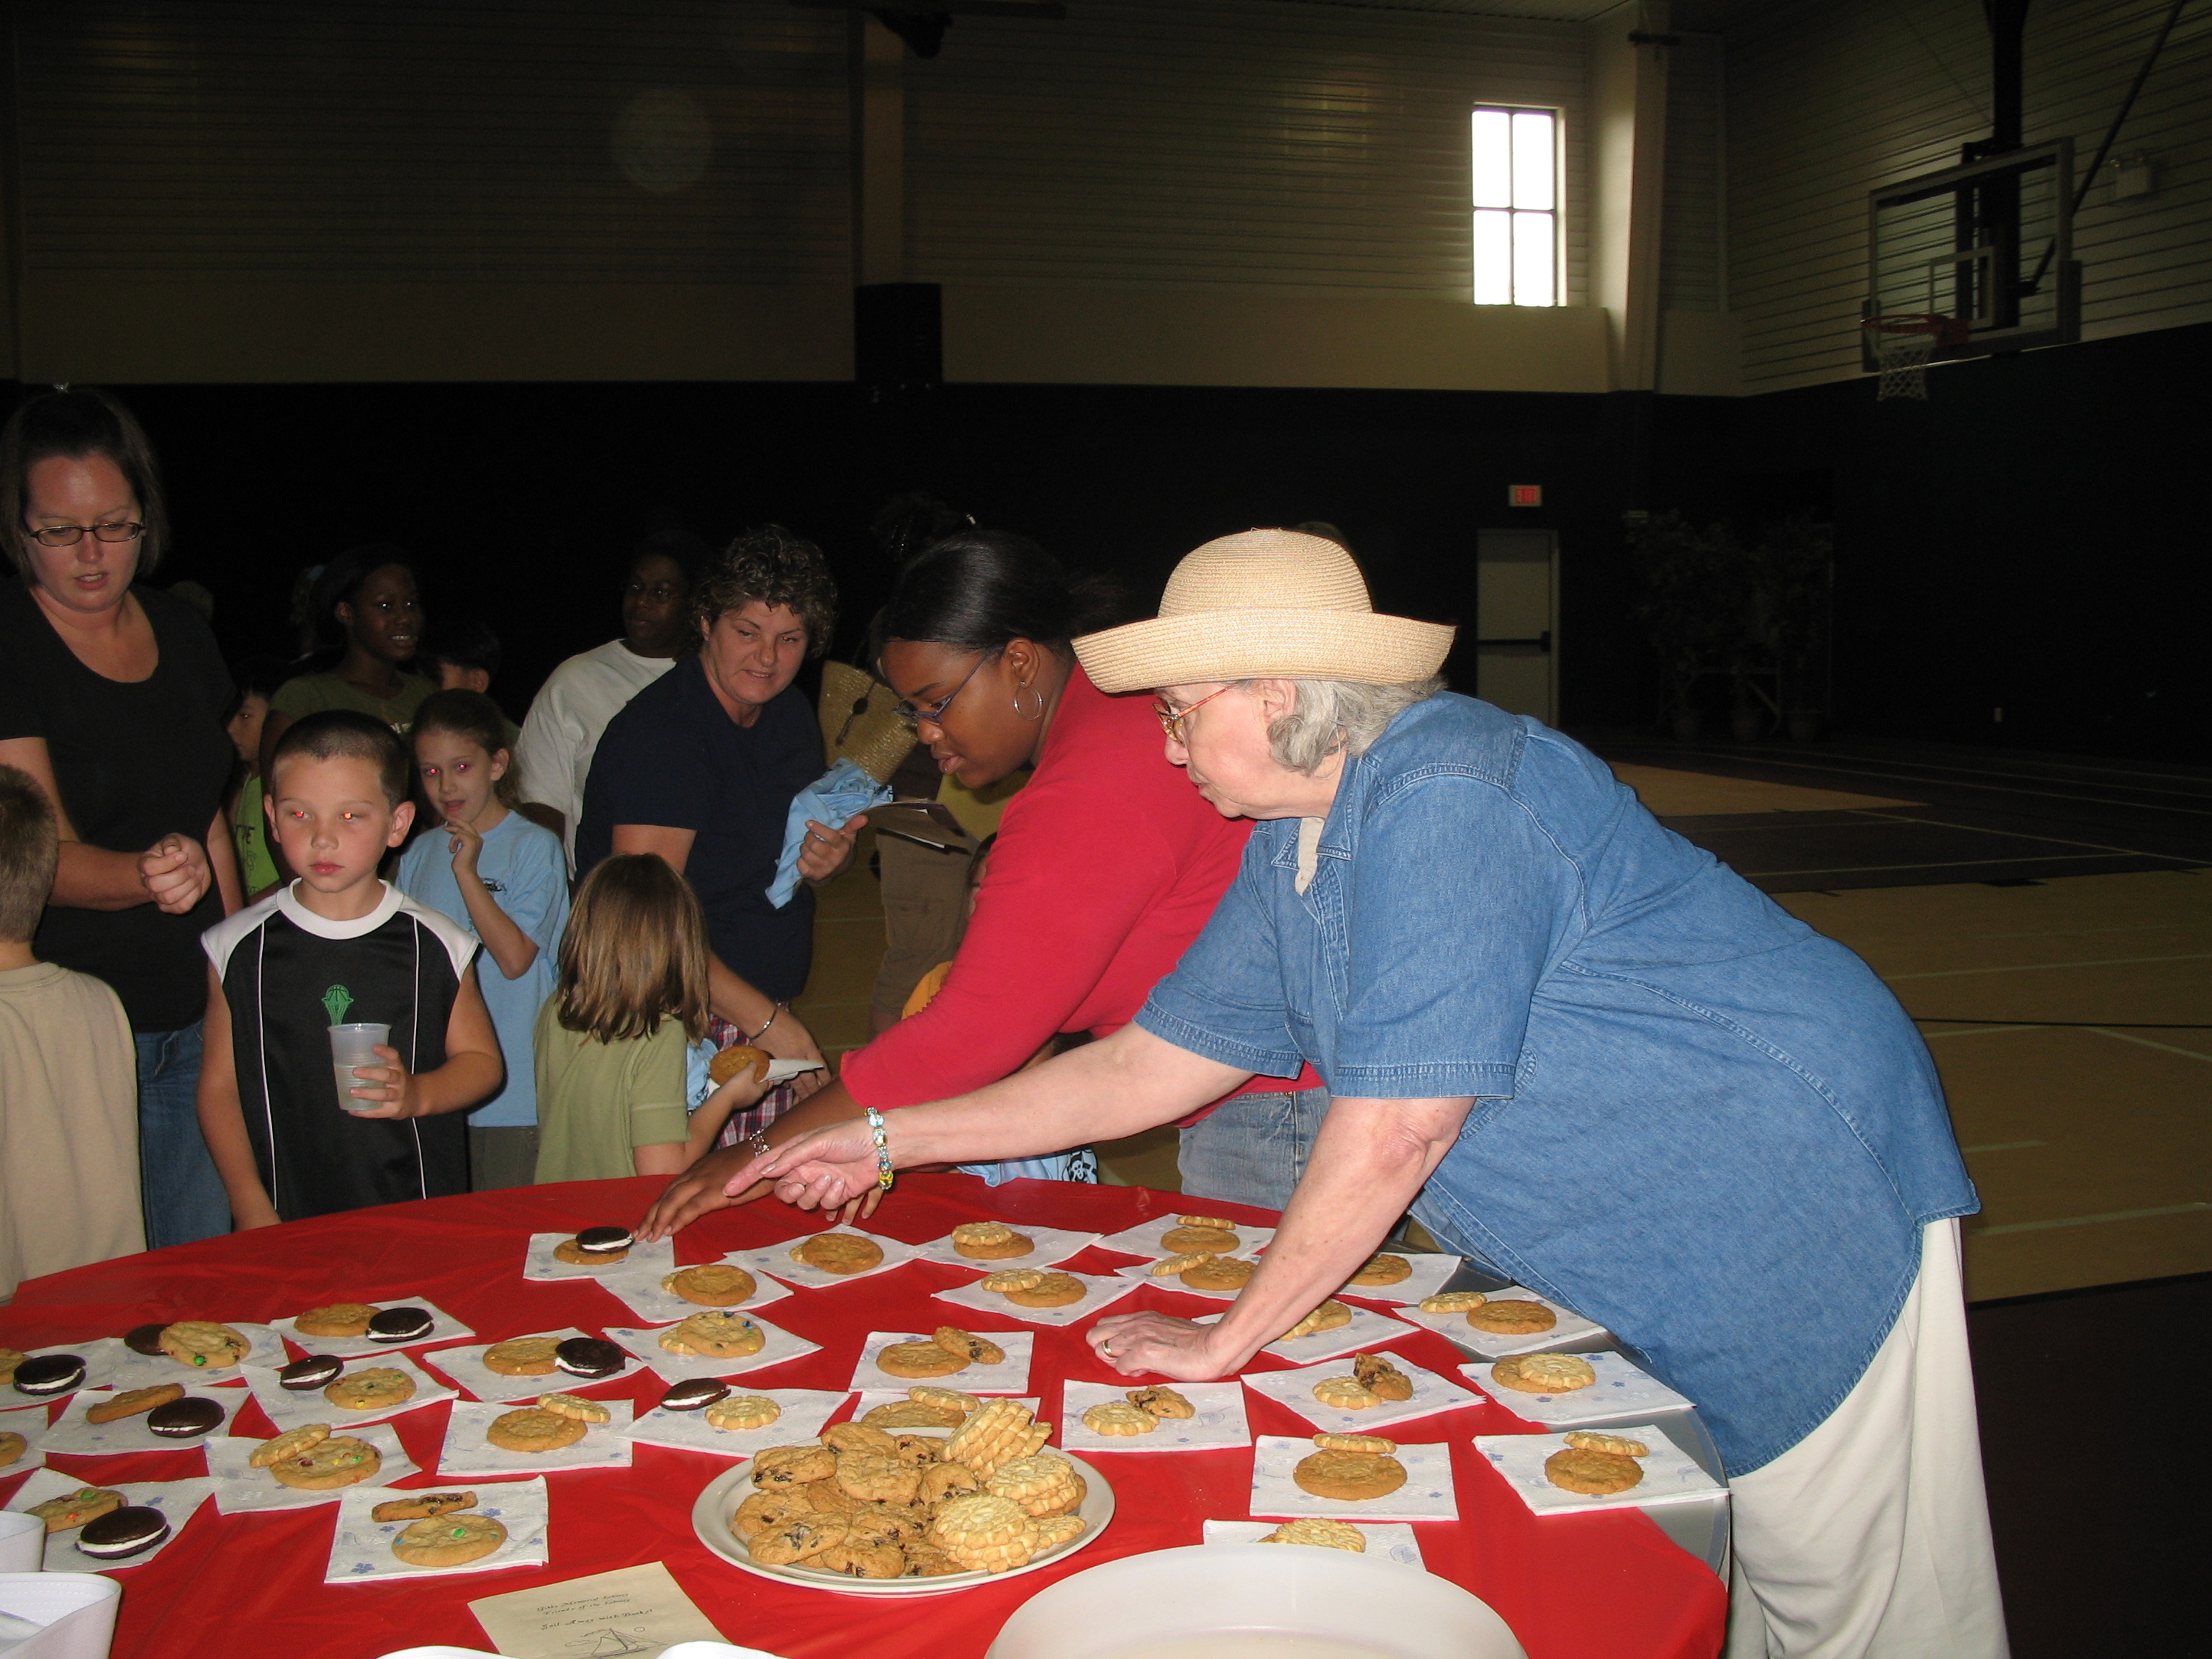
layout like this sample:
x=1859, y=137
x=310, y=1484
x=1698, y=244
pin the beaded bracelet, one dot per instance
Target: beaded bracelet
x=884, y=1176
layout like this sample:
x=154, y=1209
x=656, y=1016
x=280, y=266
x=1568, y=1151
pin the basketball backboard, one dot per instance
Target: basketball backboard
x=1987, y=243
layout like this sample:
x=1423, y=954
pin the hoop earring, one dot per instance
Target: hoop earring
x=1040, y=703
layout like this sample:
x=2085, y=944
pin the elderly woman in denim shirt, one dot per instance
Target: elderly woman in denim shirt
x=1585, y=1056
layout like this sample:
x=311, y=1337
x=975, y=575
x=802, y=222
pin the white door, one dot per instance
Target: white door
x=1516, y=618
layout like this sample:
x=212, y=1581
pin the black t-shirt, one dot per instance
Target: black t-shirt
x=401, y=966
x=673, y=757
x=134, y=761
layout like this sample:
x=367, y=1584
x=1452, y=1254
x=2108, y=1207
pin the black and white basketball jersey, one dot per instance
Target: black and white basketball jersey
x=289, y=976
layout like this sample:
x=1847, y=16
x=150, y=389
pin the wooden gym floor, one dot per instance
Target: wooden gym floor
x=2049, y=923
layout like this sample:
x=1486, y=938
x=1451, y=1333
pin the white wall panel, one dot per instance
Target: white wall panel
x=1691, y=251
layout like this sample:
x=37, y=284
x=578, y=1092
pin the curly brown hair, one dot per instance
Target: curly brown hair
x=771, y=565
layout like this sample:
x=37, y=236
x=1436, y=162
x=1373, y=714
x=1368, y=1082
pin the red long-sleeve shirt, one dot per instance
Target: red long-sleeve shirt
x=1107, y=864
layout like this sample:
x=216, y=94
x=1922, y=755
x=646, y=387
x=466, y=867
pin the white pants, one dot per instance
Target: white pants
x=1869, y=1539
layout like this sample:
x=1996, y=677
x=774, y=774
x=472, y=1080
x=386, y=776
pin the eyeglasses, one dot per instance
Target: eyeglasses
x=1171, y=719
x=69, y=535
x=659, y=592
x=935, y=713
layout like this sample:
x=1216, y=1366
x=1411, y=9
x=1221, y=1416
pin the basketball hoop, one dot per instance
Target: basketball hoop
x=1901, y=348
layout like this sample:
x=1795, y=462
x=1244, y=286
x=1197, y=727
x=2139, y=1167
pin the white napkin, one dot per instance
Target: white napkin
x=71, y=1435
x=467, y=1455
x=239, y=1486
x=98, y=1354
x=1366, y=1330
x=1144, y=1238
x=177, y=1499
x=1387, y=1541
x=1010, y=1376
x=444, y=1328
x=1097, y=1292
x=1428, y=1277
x=1492, y=1345
x=1621, y=1391
x=1428, y=1494
x=1049, y=1245
x=1671, y=1475
x=871, y=1398
x=805, y=1411
x=776, y=1259
x=1220, y=1423
x=467, y=1367
x=1431, y=1393
x=127, y=1369
x=658, y=1258
x=31, y=1423
x=290, y=1410
x=361, y=1548
x=641, y=1294
x=778, y=1347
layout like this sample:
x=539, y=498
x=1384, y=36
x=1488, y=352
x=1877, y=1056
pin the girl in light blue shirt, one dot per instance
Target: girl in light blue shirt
x=506, y=880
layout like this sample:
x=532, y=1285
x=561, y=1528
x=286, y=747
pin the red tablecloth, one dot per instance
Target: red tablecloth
x=1608, y=1586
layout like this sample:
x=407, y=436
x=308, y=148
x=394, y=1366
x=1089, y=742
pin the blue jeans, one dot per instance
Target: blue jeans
x=1252, y=1149
x=181, y=1194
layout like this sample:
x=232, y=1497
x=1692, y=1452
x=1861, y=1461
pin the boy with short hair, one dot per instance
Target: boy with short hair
x=68, y=1076
x=461, y=656
x=338, y=946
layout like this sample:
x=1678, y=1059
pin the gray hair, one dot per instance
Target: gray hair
x=1331, y=716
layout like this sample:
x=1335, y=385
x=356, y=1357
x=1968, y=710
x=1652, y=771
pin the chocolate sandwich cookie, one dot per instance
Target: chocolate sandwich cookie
x=697, y=1394
x=600, y=1241
x=144, y=1339
x=401, y=1325
x=49, y=1373
x=184, y=1419
x=121, y=1534
x=305, y=1375
x=590, y=1355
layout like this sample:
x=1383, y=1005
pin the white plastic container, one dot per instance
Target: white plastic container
x=75, y=1612
x=22, y=1542
x=352, y=1046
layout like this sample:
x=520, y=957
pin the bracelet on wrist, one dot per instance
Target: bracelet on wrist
x=773, y=1010
x=884, y=1176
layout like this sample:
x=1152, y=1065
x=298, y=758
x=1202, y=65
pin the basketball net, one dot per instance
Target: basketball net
x=1902, y=348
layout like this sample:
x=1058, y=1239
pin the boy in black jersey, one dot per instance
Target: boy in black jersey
x=340, y=947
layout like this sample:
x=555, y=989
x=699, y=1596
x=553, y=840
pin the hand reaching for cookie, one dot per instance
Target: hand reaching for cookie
x=1156, y=1343
x=835, y=1165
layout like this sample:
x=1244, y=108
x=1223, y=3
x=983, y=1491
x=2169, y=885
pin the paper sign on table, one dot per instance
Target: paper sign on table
x=641, y=1294
x=1621, y=1391
x=1671, y=1475
x=1431, y=1393
x=1010, y=1376
x=635, y=1610
x=1387, y=1541
x=873, y=1398
x=805, y=1411
x=360, y=1545
x=239, y=1486
x=444, y=1328
x=778, y=1347
x=290, y=1409
x=1428, y=1277
x=1366, y=1331
x=1046, y=1246
x=1220, y=1423
x=1144, y=1238
x=466, y=1366
x=1428, y=1494
x=72, y=1435
x=468, y=1456
x=1097, y=1292
x=128, y=1370
x=1493, y=1344
x=538, y=1262
x=31, y=1423
x=176, y=1500
x=777, y=1259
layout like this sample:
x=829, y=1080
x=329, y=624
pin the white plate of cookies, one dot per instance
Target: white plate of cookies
x=844, y=1515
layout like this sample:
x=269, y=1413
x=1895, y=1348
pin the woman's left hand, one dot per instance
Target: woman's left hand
x=1160, y=1344
x=176, y=872
x=466, y=843
x=825, y=851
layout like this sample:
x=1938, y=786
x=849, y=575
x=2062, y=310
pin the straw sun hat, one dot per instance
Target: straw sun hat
x=1263, y=605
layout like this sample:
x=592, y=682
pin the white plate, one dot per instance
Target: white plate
x=1049, y=1245
x=1622, y=1390
x=538, y=1262
x=1295, y=1389
x=444, y=1328
x=710, y=1520
x=1099, y=1290
x=1572, y=1327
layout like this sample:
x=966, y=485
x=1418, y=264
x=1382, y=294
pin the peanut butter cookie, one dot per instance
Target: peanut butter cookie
x=532, y=1429
x=711, y=1284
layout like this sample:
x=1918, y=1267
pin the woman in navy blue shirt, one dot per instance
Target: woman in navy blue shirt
x=1586, y=1055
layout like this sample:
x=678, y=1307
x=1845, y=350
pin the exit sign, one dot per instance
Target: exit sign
x=1524, y=495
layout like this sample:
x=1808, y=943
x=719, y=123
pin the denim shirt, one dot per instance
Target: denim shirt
x=1695, y=1120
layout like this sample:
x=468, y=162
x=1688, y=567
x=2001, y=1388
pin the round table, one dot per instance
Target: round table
x=1598, y=1586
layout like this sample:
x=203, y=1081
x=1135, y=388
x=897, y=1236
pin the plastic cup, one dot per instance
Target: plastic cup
x=22, y=1542
x=352, y=1046
x=74, y=1612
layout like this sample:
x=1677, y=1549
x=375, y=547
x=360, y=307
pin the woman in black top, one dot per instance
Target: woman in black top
x=112, y=697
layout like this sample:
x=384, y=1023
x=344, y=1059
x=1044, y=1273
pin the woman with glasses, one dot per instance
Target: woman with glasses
x=1105, y=867
x=112, y=697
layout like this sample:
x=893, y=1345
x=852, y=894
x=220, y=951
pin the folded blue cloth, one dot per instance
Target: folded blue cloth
x=831, y=799
x=1081, y=1164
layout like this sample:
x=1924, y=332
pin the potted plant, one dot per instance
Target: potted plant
x=1689, y=579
